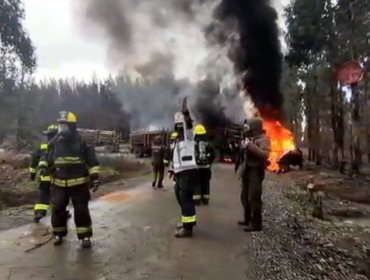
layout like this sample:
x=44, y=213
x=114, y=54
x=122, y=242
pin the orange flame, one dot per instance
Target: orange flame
x=281, y=142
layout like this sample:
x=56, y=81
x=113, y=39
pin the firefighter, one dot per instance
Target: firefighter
x=171, y=173
x=255, y=148
x=43, y=196
x=205, y=155
x=186, y=173
x=158, y=162
x=74, y=168
x=171, y=147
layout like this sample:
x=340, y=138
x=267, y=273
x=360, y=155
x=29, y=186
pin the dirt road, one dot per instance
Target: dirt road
x=133, y=239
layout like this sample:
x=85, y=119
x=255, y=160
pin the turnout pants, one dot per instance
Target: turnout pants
x=158, y=175
x=80, y=196
x=177, y=191
x=187, y=182
x=202, y=191
x=251, y=195
x=43, y=199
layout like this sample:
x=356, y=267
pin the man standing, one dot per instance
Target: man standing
x=205, y=155
x=43, y=197
x=255, y=148
x=158, y=162
x=172, y=143
x=186, y=173
x=74, y=169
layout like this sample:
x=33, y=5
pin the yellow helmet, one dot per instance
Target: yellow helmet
x=174, y=135
x=67, y=117
x=199, y=129
x=51, y=129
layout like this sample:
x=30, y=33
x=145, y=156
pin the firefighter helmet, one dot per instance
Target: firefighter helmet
x=67, y=117
x=199, y=129
x=174, y=135
x=52, y=129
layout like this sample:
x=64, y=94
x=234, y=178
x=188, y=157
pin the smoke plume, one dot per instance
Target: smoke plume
x=254, y=48
x=213, y=45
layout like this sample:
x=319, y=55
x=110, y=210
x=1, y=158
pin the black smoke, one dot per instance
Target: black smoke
x=250, y=29
x=207, y=106
x=138, y=35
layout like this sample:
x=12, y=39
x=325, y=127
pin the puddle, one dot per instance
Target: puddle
x=116, y=197
x=363, y=221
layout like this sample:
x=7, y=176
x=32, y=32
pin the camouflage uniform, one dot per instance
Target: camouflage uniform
x=252, y=173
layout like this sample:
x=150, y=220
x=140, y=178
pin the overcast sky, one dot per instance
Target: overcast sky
x=61, y=49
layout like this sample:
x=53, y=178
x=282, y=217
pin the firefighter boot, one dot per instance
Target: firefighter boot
x=58, y=240
x=180, y=225
x=184, y=233
x=253, y=228
x=243, y=223
x=86, y=243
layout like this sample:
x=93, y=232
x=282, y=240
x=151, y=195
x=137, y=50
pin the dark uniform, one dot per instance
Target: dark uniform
x=255, y=149
x=169, y=157
x=43, y=196
x=158, y=162
x=74, y=169
x=205, y=156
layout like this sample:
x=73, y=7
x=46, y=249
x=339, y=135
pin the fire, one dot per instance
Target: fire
x=281, y=142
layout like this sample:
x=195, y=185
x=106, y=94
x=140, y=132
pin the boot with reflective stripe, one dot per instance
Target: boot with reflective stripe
x=184, y=233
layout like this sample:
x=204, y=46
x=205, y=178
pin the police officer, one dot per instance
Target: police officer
x=186, y=173
x=158, y=162
x=43, y=196
x=255, y=148
x=205, y=156
x=74, y=168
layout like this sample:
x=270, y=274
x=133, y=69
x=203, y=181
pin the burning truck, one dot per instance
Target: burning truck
x=226, y=139
x=284, y=152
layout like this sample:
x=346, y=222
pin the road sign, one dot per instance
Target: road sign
x=350, y=73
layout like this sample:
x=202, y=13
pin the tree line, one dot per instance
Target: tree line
x=331, y=118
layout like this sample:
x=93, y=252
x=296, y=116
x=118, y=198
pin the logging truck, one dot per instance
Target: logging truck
x=141, y=141
x=98, y=138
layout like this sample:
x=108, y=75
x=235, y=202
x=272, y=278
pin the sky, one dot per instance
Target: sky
x=61, y=47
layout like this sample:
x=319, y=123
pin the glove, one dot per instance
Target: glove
x=33, y=176
x=94, y=185
x=245, y=143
